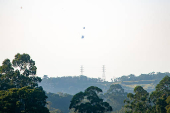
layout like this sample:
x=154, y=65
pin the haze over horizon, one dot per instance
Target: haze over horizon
x=127, y=36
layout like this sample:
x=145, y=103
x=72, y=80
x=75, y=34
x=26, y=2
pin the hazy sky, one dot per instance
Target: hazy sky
x=127, y=36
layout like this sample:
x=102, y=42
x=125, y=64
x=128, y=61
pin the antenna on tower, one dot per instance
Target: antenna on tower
x=81, y=69
x=103, y=75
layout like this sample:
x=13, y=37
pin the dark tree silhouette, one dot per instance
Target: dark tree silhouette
x=89, y=102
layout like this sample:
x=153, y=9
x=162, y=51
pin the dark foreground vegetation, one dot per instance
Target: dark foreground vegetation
x=157, y=101
x=21, y=91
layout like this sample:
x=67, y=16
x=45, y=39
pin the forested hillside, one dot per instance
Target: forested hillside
x=113, y=92
x=74, y=84
x=59, y=103
x=151, y=76
x=147, y=81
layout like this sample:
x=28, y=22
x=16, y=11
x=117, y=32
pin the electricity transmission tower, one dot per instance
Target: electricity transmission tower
x=103, y=75
x=81, y=69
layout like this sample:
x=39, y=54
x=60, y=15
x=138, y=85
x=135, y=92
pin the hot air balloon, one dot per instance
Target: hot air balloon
x=82, y=37
x=83, y=33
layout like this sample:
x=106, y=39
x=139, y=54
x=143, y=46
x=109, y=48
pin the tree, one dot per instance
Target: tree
x=159, y=97
x=168, y=104
x=27, y=69
x=115, y=96
x=115, y=88
x=6, y=67
x=6, y=73
x=89, y=102
x=19, y=91
x=24, y=74
x=157, y=102
x=138, y=102
x=163, y=87
x=161, y=104
x=25, y=99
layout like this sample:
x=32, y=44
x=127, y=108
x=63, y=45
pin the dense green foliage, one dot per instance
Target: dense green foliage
x=89, y=102
x=19, y=91
x=157, y=102
x=138, y=102
x=25, y=99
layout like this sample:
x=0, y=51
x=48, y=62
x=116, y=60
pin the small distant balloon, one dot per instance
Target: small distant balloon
x=83, y=33
x=82, y=37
